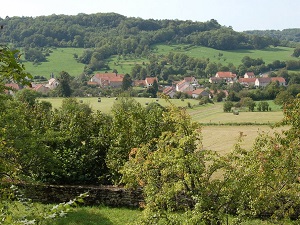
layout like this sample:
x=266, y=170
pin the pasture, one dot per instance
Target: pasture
x=61, y=59
x=269, y=54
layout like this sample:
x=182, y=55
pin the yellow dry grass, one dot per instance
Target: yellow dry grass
x=223, y=138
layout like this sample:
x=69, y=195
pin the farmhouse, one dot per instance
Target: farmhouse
x=228, y=77
x=246, y=82
x=150, y=80
x=13, y=87
x=187, y=84
x=40, y=88
x=201, y=92
x=264, y=81
x=170, y=91
x=113, y=80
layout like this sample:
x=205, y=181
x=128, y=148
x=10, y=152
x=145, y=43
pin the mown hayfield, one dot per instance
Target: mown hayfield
x=106, y=103
x=223, y=138
x=213, y=113
x=61, y=59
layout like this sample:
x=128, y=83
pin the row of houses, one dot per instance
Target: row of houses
x=249, y=79
x=188, y=85
x=115, y=80
x=42, y=88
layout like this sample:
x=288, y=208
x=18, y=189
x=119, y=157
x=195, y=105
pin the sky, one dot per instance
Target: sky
x=241, y=15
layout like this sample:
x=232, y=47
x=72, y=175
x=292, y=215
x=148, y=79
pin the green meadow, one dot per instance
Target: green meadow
x=224, y=57
x=61, y=59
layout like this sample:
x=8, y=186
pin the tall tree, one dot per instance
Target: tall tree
x=64, y=88
x=127, y=82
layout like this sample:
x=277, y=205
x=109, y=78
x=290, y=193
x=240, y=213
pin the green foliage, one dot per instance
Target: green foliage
x=248, y=102
x=283, y=97
x=11, y=69
x=127, y=82
x=78, y=140
x=172, y=171
x=296, y=52
x=27, y=96
x=34, y=55
x=264, y=182
x=132, y=125
x=263, y=106
x=64, y=89
x=227, y=106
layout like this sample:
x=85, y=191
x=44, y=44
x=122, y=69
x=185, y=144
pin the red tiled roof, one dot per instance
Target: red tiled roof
x=279, y=79
x=167, y=90
x=139, y=83
x=13, y=86
x=198, y=91
x=250, y=74
x=264, y=79
x=222, y=74
x=247, y=80
x=108, y=75
x=150, y=80
x=189, y=79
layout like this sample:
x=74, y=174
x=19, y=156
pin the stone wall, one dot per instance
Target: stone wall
x=98, y=195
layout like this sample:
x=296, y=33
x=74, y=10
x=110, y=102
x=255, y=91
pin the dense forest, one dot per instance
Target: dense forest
x=120, y=33
x=285, y=36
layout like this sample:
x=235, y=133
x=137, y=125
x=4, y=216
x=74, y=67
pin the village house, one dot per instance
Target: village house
x=247, y=82
x=170, y=91
x=249, y=75
x=41, y=88
x=187, y=84
x=227, y=77
x=52, y=83
x=113, y=80
x=248, y=79
x=264, y=81
x=13, y=87
x=201, y=92
x=150, y=80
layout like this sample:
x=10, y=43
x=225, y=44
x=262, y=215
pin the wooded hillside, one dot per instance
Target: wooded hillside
x=118, y=34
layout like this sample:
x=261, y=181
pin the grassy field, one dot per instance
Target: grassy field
x=61, y=59
x=124, y=65
x=106, y=103
x=209, y=113
x=223, y=138
x=213, y=113
x=235, y=56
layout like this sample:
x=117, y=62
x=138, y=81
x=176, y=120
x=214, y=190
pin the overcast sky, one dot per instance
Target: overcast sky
x=240, y=14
